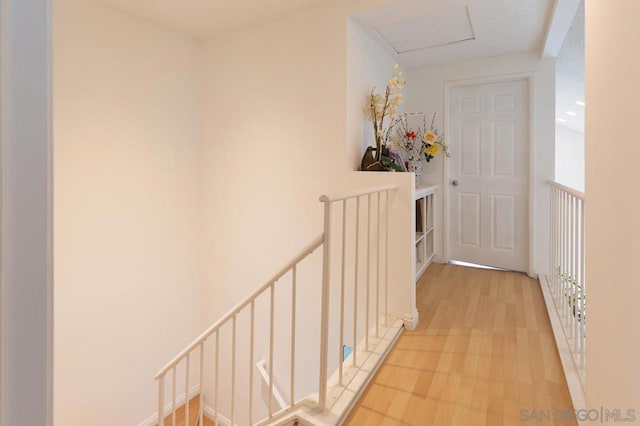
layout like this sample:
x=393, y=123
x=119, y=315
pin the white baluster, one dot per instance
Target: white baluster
x=578, y=277
x=324, y=308
x=186, y=390
x=576, y=261
x=343, y=254
x=294, y=275
x=570, y=271
x=355, y=284
x=552, y=226
x=378, y=264
x=565, y=257
x=173, y=397
x=366, y=323
x=217, y=381
x=386, y=259
x=161, y=400
x=559, y=249
x=583, y=307
x=559, y=243
x=556, y=229
x=233, y=369
x=271, y=327
x=251, y=367
x=201, y=414
x=567, y=301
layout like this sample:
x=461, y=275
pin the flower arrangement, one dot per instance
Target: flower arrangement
x=381, y=108
x=418, y=144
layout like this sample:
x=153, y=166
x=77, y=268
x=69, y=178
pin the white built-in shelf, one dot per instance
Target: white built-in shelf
x=430, y=257
x=421, y=235
x=424, y=226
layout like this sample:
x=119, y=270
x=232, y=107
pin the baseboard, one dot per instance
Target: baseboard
x=370, y=377
x=439, y=259
x=411, y=320
x=180, y=400
x=210, y=413
x=571, y=371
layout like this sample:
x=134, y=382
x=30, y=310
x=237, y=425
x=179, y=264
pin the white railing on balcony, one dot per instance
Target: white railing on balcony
x=349, y=206
x=567, y=269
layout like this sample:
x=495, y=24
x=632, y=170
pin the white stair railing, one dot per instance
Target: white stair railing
x=342, y=200
x=380, y=231
x=214, y=331
x=567, y=269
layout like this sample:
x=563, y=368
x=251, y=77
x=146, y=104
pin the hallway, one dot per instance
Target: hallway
x=483, y=354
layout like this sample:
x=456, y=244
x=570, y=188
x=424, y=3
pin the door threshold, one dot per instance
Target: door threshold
x=475, y=265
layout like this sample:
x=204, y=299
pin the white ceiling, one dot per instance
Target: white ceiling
x=427, y=30
x=451, y=30
x=570, y=76
x=416, y=32
x=202, y=19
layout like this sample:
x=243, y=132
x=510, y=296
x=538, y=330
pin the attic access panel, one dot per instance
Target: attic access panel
x=428, y=30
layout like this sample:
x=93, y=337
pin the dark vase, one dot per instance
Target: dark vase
x=370, y=162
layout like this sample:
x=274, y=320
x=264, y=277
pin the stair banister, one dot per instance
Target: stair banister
x=328, y=200
x=233, y=311
x=381, y=194
x=199, y=343
x=332, y=198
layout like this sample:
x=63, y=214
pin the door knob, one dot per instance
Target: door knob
x=454, y=182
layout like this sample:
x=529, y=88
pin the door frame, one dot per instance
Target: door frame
x=448, y=87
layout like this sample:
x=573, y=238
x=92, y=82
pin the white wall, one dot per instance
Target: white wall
x=570, y=157
x=126, y=210
x=612, y=209
x=425, y=92
x=368, y=65
x=242, y=146
x=26, y=212
x=275, y=137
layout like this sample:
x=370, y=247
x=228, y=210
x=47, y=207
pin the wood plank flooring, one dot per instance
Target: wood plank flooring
x=483, y=351
x=194, y=407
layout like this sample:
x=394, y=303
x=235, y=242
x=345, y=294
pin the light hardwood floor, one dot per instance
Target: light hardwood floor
x=194, y=406
x=483, y=351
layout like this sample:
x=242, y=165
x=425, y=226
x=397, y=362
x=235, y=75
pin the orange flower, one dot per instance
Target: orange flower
x=430, y=136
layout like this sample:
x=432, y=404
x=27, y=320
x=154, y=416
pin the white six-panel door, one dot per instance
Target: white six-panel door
x=489, y=174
